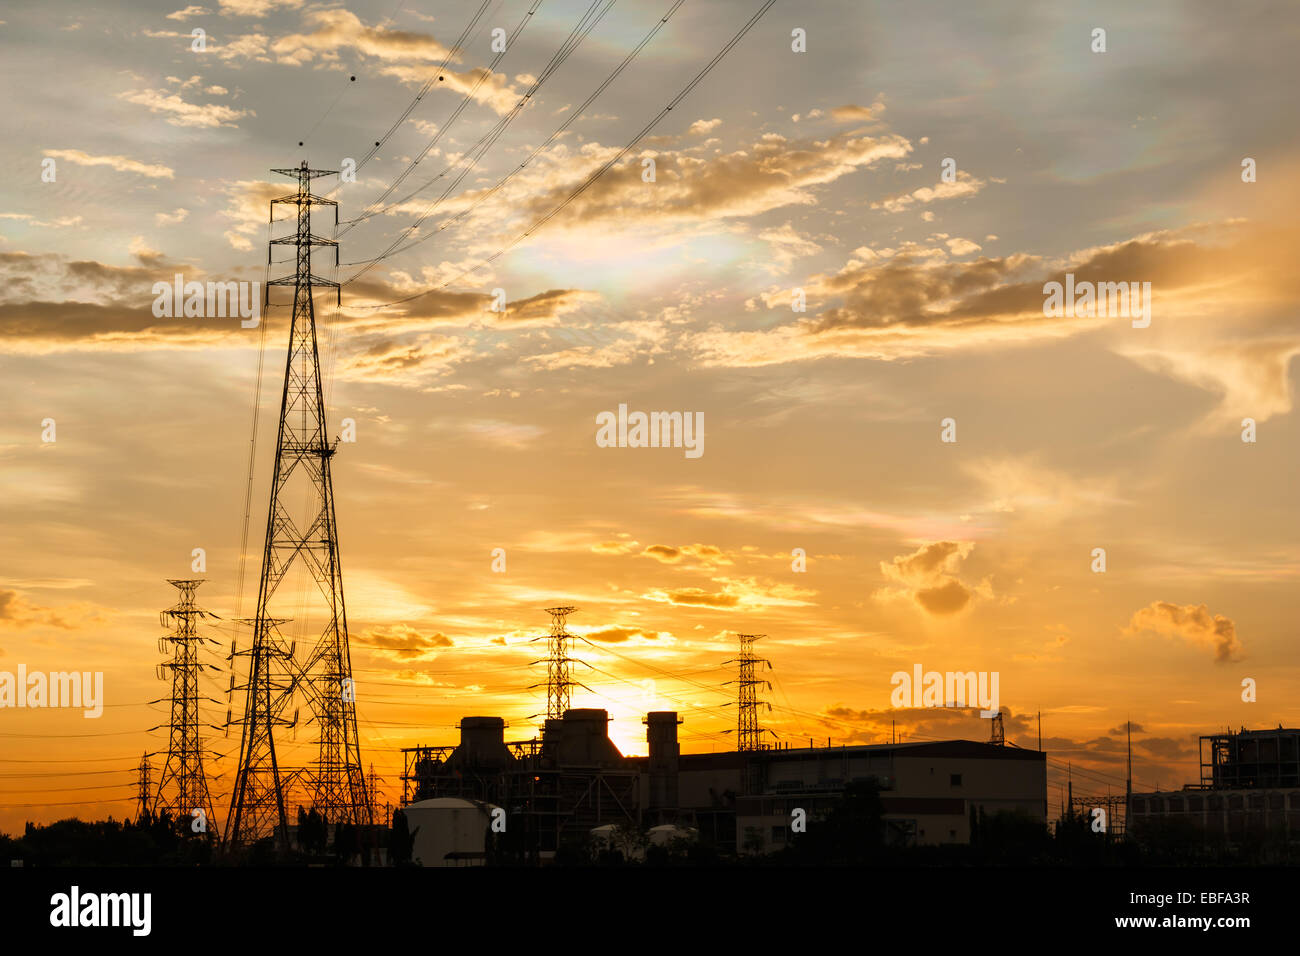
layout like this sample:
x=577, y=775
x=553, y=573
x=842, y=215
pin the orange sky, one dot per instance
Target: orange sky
x=476, y=429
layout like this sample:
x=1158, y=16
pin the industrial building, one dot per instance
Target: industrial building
x=573, y=785
x=1249, y=789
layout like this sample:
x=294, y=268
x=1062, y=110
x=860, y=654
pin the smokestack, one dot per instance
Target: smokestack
x=483, y=742
x=661, y=734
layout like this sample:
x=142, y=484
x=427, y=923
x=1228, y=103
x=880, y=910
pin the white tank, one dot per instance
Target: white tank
x=448, y=831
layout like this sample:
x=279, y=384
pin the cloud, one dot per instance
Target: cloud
x=705, y=553
x=63, y=222
x=256, y=8
x=410, y=57
x=1121, y=730
x=850, y=725
x=736, y=594
x=123, y=164
x=170, y=219
x=616, y=635
x=929, y=577
x=180, y=113
x=787, y=245
x=965, y=185
x=700, y=127
x=401, y=642
x=695, y=597
x=381, y=359
x=18, y=612
x=615, y=547
x=49, y=303
x=1223, y=311
x=769, y=174
x=854, y=114
x=1192, y=623
x=193, y=10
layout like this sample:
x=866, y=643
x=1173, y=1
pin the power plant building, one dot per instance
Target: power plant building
x=573, y=785
x=1249, y=789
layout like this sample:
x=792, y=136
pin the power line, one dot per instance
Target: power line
x=451, y=119
x=488, y=140
x=599, y=172
x=428, y=84
x=573, y=116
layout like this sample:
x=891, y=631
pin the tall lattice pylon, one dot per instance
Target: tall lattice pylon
x=335, y=781
x=559, y=678
x=143, y=787
x=182, y=785
x=749, y=735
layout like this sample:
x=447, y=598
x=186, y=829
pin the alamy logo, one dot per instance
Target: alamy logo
x=215, y=300
x=951, y=689
x=653, y=430
x=1087, y=299
x=103, y=909
x=56, y=689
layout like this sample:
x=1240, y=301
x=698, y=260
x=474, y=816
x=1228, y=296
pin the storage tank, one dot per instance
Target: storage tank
x=449, y=831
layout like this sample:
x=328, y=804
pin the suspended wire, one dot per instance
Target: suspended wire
x=252, y=445
x=451, y=119
x=329, y=109
x=538, y=224
x=104, y=786
x=488, y=140
x=59, y=773
x=573, y=116
x=428, y=84
x=111, y=733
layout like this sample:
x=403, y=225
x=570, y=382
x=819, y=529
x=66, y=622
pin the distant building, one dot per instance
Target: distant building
x=1249, y=789
x=573, y=785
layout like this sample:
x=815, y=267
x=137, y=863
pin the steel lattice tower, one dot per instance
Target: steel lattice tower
x=143, y=787
x=749, y=735
x=335, y=782
x=182, y=785
x=998, y=735
x=559, y=681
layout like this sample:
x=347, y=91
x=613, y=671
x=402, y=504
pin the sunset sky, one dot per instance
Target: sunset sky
x=819, y=171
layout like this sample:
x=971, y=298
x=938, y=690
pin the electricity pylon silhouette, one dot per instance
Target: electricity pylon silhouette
x=335, y=782
x=143, y=790
x=559, y=680
x=749, y=735
x=182, y=785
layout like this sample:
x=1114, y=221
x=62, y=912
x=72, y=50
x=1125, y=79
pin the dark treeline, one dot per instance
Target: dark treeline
x=852, y=832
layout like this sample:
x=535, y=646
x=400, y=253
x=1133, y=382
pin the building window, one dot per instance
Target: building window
x=955, y=780
x=1195, y=804
x=778, y=834
x=1139, y=806
x=1175, y=804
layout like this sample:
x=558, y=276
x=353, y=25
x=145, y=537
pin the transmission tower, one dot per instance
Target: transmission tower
x=998, y=735
x=182, y=785
x=335, y=781
x=372, y=789
x=143, y=789
x=559, y=681
x=749, y=736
